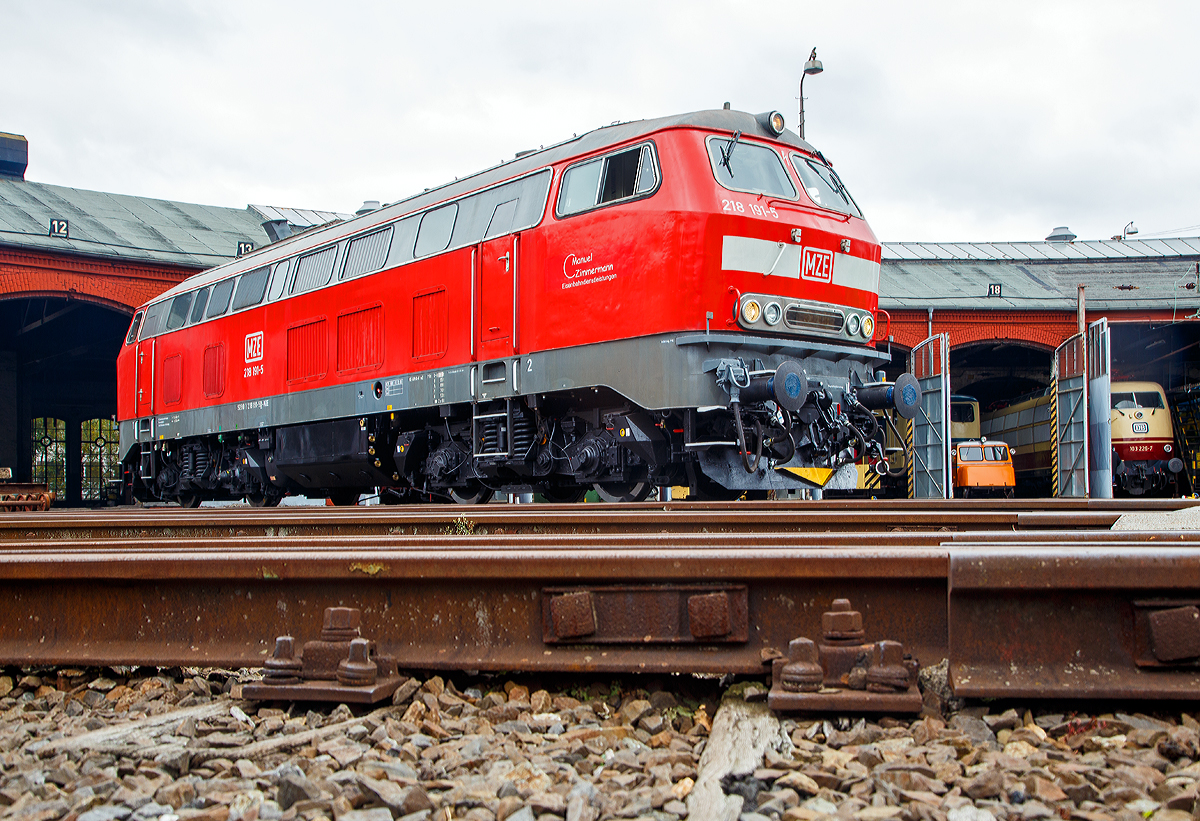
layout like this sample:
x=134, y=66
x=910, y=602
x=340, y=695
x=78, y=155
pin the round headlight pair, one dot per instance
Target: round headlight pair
x=863, y=324
x=752, y=311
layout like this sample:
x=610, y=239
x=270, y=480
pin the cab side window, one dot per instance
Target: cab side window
x=620, y=176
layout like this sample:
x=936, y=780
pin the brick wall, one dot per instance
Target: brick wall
x=121, y=286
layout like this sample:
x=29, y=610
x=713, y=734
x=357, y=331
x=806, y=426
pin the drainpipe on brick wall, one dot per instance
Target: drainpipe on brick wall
x=930, y=324
x=1081, y=310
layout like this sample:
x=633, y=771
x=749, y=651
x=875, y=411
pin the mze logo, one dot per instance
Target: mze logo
x=254, y=346
x=817, y=264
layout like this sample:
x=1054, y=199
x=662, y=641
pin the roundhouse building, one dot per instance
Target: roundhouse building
x=1007, y=305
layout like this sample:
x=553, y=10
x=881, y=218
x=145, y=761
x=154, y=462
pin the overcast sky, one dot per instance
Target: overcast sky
x=947, y=120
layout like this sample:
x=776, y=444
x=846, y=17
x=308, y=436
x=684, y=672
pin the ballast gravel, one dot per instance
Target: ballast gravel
x=127, y=746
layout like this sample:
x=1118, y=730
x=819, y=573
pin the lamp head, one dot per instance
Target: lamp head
x=813, y=66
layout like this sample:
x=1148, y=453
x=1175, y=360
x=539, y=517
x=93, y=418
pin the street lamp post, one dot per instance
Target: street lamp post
x=813, y=66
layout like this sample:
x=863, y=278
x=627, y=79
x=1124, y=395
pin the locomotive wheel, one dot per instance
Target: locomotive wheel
x=345, y=496
x=473, y=494
x=262, y=499
x=623, y=491
x=563, y=494
x=190, y=500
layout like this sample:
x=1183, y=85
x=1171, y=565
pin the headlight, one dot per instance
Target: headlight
x=868, y=327
x=1166, y=448
x=853, y=323
x=772, y=313
x=751, y=311
x=776, y=121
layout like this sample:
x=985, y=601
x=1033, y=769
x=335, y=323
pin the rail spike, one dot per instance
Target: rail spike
x=844, y=672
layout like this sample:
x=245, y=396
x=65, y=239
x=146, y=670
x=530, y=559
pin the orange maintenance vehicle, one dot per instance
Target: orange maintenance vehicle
x=983, y=468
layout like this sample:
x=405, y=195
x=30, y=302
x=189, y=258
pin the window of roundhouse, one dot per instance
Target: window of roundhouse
x=823, y=186
x=314, y=270
x=180, y=306
x=251, y=288
x=620, y=176
x=754, y=169
x=436, y=227
x=133, y=328
x=218, y=303
x=198, y=306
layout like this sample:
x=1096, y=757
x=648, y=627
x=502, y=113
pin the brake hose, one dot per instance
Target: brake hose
x=737, y=418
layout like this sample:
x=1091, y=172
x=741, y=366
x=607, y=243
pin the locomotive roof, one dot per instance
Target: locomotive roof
x=590, y=142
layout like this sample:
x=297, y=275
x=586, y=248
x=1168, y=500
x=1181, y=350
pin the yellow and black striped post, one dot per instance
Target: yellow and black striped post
x=908, y=454
x=1054, y=438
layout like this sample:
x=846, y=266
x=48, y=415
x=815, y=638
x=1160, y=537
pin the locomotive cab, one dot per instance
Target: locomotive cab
x=1143, y=440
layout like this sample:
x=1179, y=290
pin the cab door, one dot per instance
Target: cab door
x=497, y=297
x=143, y=380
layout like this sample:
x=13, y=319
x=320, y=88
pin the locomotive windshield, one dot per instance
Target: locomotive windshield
x=751, y=168
x=1129, y=400
x=824, y=187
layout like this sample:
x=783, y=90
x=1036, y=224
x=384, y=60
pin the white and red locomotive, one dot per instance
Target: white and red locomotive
x=688, y=300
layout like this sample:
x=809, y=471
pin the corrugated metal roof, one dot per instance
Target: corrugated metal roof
x=136, y=228
x=299, y=217
x=1038, y=251
x=123, y=226
x=1136, y=282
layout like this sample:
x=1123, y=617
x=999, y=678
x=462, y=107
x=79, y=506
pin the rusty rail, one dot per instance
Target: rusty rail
x=677, y=517
x=1017, y=613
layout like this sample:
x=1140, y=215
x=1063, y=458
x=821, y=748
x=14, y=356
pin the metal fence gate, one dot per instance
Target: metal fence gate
x=1099, y=413
x=1069, y=451
x=929, y=474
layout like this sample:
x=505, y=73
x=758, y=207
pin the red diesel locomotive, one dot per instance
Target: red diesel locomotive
x=688, y=300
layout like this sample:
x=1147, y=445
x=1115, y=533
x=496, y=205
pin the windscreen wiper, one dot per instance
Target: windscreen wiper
x=726, y=155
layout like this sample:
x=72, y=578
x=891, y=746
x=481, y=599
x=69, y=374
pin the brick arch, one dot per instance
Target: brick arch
x=1039, y=329
x=1020, y=343
x=119, y=286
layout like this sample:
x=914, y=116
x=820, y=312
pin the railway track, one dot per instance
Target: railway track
x=1023, y=599
x=648, y=517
